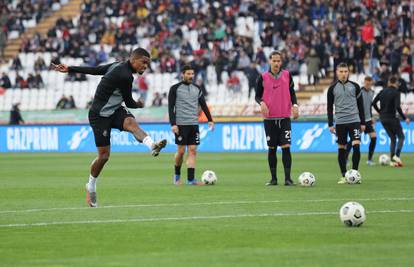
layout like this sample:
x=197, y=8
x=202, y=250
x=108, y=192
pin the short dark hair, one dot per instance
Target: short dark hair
x=140, y=52
x=342, y=65
x=368, y=78
x=274, y=53
x=186, y=67
x=393, y=80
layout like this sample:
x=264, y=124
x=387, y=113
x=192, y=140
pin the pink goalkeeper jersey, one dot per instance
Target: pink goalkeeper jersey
x=276, y=94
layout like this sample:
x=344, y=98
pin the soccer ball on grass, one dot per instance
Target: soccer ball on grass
x=353, y=177
x=352, y=214
x=307, y=179
x=384, y=159
x=209, y=177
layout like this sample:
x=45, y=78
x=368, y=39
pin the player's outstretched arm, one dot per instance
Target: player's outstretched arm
x=60, y=67
x=98, y=70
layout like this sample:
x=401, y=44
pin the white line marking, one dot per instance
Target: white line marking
x=216, y=217
x=203, y=204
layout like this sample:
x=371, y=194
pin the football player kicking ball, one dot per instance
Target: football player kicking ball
x=107, y=111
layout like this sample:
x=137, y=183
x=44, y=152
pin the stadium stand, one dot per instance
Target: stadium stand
x=374, y=37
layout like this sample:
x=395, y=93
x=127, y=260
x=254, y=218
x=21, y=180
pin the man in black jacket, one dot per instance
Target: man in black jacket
x=107, y=111
x=15, y=116
x=389, y=99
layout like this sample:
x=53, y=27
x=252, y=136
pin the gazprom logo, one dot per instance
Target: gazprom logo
x=32, y=139
x=310, y=135
x=77, y=138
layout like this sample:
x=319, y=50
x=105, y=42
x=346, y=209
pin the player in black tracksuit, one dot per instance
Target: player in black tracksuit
x=389, y=99
x=107, y=111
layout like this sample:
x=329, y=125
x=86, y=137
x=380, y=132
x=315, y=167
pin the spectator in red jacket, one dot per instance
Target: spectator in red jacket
x=367, y=32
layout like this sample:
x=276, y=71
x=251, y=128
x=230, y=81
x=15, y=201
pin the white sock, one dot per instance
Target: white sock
x=92, y=183
x=148, y=142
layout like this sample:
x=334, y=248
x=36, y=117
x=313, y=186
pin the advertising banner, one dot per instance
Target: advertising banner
x=227, y=137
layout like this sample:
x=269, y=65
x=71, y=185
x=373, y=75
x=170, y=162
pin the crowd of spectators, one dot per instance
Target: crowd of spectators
x=33, y=80
x=14, y=14
x=308, y=32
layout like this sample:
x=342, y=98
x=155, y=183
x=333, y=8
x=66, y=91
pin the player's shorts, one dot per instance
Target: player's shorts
x=369, y=127
x=188, y=135
x=393, y=127
x=353, y=130
x=278, y=132
x=102, y=126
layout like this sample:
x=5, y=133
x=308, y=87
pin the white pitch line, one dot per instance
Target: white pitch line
x=190, y=218
x=218, y=203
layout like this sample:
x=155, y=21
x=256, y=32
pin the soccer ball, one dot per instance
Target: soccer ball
x=209, y=177
x=307, y=179
x=353, y=177
x=352, y=214
x=384, y=159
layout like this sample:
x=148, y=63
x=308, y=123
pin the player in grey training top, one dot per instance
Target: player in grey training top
x=350, y=118
x=184, y=101
x=367, y=96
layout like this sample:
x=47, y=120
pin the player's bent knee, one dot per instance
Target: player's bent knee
x=285, y=146
x=130, y=124
x=341, y=146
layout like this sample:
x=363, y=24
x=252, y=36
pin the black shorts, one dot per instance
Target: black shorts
x=102, y=126
x=278, y=132
x=187, y=135
x=393, y=127
x=353, y=130
x=369, y=127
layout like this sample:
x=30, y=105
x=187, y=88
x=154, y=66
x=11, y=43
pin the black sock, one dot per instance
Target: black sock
x=372, y=145
x=392, y=146
x=400, y=145
x=342, y=160
x=177, y=170
x=190, y=174
x=356, y=155
x=271, y=158
x=348, y=149
x=287, y=161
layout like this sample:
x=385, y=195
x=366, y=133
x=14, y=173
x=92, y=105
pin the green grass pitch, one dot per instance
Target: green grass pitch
x=144, y=220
